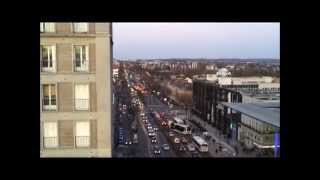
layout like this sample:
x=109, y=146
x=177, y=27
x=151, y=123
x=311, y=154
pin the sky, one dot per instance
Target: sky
x=196, y=40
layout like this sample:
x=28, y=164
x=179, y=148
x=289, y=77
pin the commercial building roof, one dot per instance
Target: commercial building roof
x=262, y=112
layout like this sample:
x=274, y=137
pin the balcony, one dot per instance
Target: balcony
x=47, y=66
x=50, y=142
x=82, y=141
x=81, y=66
x=81, y=104
x=49, y=104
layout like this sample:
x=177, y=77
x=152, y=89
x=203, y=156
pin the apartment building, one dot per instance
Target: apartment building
x=75, y=89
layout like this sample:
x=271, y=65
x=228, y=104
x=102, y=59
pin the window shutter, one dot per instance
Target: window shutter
x=82, y=96
x=41, y=27
x=82, y=129
x=82, y=91
x=50, y=27
x=53, y=53
x=50, y=129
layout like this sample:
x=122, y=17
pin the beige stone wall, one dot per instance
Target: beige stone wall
x=93, y=97
x=63, y=27
x=66, y=134
x=92, y=57
x=64, y=58
x=65, y=97
x=93, y=133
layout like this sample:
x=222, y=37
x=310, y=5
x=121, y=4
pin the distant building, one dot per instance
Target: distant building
x=211, y=67
x=223, y=72
x=194, y=65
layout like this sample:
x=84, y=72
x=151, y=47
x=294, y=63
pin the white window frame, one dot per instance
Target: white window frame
x=54, y=145
x=76, y=108
x=81, y=68
x=88, y=136
x=50, y=106
x=47, y=27
x=54, y=58
x=76, y=29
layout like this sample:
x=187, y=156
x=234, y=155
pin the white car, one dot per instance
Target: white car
x=171, y=134
x=191, y=147
x=176, y=140
x=153, y=140
x=166, y=147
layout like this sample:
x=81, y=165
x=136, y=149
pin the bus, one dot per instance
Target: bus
x=200, y=143
x=181, y=128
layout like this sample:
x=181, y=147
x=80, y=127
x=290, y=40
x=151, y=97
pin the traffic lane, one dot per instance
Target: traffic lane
x=149, y=146
x=161, y=139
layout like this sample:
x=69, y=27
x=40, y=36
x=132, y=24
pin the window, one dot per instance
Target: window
x=48, y=58
x=47, y=27
x=82, y=97
x=80, y=57
x=50, y=134
x=80, y=27
x=49, y=97
x=82, y=134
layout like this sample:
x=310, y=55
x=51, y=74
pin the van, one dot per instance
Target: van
x=135, y=138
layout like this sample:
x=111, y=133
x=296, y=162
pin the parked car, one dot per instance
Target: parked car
x=195, y=154
x=191, y=147
x=176, y=140
x=166, y=147
x=182, y=148
x=184, y=140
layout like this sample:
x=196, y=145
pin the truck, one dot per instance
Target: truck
x=135, y=138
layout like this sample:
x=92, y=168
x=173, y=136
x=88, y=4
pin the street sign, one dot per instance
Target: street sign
x=276, y=143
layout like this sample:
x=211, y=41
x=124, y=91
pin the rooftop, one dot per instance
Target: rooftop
x=268, y=113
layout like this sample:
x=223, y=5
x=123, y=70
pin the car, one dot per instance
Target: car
x=182, y=148
x=184, y=140
x=195, y=154
x=176, y=140
x=166, y=147
x=156, y=150
x=149, y=127
x=171, y=134
x=155, y=129
x=191, y=147
x=154, y=140
x=151, y=134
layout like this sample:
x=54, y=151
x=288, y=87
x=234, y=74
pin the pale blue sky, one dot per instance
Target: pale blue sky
x=196, y=40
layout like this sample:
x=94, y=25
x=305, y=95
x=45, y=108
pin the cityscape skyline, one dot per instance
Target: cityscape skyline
x=196, y=40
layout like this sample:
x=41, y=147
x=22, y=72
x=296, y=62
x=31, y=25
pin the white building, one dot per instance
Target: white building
x=223, y=72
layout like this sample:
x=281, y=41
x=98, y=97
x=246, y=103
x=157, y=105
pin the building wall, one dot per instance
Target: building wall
x=99, y=40
x=254, y=131
x=206, y=99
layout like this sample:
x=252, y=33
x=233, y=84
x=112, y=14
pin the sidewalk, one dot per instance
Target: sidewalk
x=214, y=133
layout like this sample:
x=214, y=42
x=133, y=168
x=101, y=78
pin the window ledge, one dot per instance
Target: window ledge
x=54, y=34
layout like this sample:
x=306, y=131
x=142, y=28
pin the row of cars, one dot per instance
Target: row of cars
x=182, y=144
x=152, y=133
